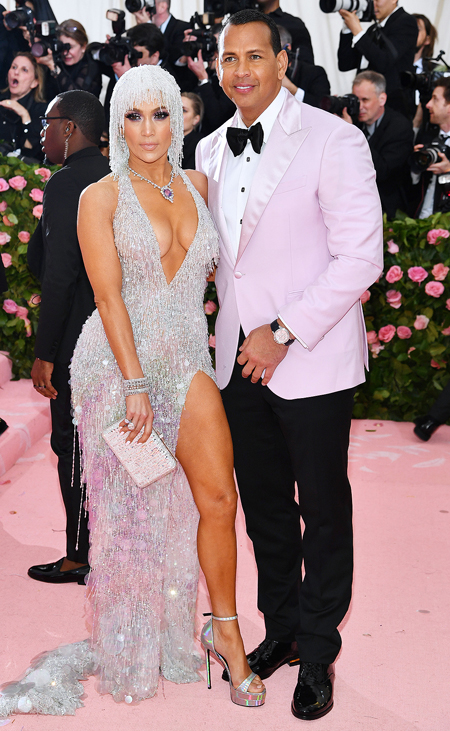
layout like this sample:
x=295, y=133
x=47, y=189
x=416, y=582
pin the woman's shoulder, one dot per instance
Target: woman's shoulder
x=199, y=181
x=102, y=195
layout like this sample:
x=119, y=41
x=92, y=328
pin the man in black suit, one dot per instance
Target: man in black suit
x=295, y=26
x=74, y=122
x=388, y=47
x=306, y=81
x=390, y=136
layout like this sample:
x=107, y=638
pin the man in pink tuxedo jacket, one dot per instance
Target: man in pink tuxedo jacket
x=292, y=191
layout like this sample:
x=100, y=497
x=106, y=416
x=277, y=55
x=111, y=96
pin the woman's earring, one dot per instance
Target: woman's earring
x=66, y=145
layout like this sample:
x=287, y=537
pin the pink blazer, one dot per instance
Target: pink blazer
x=311, y=244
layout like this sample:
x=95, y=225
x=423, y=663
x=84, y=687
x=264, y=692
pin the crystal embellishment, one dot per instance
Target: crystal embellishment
x=167, y=193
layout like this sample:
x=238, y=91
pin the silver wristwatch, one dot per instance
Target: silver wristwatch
x=281, y=334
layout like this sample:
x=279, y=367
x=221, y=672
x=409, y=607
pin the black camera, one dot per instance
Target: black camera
x=22, y=16
x=364, y=8
x=337, y=104
x=424, y=83
x=426, y=156
x=47, y=40
x=205, y=40
x=118, y=47
x=133, y=6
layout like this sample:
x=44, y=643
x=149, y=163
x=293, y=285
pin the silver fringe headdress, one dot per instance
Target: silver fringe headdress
x=138, y=85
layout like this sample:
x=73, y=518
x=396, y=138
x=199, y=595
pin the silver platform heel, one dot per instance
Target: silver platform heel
x=239, y=695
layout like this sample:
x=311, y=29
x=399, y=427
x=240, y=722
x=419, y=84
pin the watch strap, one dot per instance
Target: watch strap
x=275, y=326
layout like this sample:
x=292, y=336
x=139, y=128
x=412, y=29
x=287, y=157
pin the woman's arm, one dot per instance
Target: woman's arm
x=95, y=233
x=200, y=181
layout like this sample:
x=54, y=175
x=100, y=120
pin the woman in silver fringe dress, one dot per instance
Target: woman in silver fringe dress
x=148, y=245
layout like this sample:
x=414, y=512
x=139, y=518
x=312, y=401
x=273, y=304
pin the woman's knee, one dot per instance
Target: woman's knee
x=219, y=504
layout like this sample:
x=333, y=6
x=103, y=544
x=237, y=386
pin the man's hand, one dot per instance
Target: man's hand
x=346, y=116
x=351, y=21
x=439, y=168
x=41, y=374
x=121, y=68
x=142, y=16
x=197, y=66
x=259, y=352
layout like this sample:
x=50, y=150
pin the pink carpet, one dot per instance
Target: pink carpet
x=392, y=674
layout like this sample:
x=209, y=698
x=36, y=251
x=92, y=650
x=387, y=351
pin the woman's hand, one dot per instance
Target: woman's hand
x=47, y=60
x=139, y=413
x=18, y=109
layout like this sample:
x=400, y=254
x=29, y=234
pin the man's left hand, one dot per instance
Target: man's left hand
x=439, y=168
x=259, y=352
x=41, y=375
x=351, y=21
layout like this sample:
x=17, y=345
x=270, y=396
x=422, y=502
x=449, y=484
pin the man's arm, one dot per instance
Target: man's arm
x=348, y=57
x=402, y=36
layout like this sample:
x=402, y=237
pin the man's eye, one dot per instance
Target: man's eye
x=229, y=58
x=255, y=55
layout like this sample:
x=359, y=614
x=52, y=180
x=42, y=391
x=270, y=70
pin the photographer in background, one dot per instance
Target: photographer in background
x=295, y=26
x=390, y=137
x=192, y=118
x=387, y=47
x=423, y=64
x=21, y=105
x=75, y=69
x=431, y=189
x=307, y=82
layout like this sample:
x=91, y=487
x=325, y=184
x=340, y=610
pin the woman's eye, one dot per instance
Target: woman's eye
x=133, y=116
x=162, y=114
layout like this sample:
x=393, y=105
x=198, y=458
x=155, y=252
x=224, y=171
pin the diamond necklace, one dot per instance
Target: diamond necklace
x=165, y=190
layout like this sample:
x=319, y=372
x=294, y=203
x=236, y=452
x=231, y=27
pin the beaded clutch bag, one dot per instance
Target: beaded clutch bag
x=145, y=463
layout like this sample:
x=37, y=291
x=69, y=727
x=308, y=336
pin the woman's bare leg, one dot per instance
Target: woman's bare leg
x=205, y=452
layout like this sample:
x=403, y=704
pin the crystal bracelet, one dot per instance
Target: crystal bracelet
x=132, y=386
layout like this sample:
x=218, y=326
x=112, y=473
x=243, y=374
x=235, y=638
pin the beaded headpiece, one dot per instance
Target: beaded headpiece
x=144, y=84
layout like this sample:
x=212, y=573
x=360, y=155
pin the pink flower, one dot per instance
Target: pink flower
x=410, y=350
x=434, y=364
x=18, y=182
x=6, y=259
x=435, y=234
x=421, y=322
x=394, y=274
x=10, y=307
x=37, y=211
x=45, y=173
x=21, y=312
x=386, y=333
x=24, y=237
x=210, y=307
x=28, y=329
x=434, y=289
x=34, y=300
x=376, y=348
x=4, y=238
x=6, y=221
x=3, y=185
x=447, y=304
x=417, y=274
x=439, y=272
x=212, y=341
x=372, y=336
x=392, y=247
x=394, y=298
x=3, y=206
x=365, y=297
x=404, y=332
x=446, y=331
x=37, y=195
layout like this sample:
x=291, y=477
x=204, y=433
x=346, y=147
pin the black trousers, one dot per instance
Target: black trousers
x=441, y=407
x=62, y=441
x=276, y=443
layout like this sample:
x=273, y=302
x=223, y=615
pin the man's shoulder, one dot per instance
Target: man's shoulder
x=401, y=17
x=396, y=120
x=293, y=20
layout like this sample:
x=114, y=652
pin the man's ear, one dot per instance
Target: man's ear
x=382, y=98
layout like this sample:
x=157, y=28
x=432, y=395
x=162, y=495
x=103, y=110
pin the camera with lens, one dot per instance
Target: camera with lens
x=364, y=8
x=118, y=47
x=46, y=40
x=424, y=82
x=337, y=104
x=22, y=16
x=205, y=41
x=134, y=6
x=426, y=156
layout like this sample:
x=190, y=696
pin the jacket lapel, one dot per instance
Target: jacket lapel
x=285, y=140
x=216, y=178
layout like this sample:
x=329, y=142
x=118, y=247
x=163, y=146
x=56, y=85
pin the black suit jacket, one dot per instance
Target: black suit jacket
x=391, y=145
x=218, y=107
x=314, y=82
x=54, y=256
x=299, y=32
x=389, y=51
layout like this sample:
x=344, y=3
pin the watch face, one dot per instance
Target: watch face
x=281, y=336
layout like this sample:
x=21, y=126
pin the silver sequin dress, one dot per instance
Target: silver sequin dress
x=144, y=569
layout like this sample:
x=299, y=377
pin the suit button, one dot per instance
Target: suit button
x=238, y=275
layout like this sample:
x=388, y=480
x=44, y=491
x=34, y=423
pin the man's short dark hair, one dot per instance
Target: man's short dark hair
x=444, y=81
x=148, y=36
x=85, y=110
x=242, y=17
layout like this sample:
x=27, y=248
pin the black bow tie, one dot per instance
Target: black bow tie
x=237, y=138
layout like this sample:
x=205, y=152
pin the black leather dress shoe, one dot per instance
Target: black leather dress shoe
x=313, y=696
x=269, y=656
x=425, y=427
x=51, y=573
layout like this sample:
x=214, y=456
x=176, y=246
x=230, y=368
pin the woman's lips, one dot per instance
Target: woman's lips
x=149, y=146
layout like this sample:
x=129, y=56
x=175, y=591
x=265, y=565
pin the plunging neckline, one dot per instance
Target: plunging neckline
x=152, y=230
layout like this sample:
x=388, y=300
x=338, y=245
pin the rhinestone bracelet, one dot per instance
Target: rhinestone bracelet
x=132, y=386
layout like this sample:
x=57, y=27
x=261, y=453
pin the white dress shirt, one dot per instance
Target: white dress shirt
x=241, y=170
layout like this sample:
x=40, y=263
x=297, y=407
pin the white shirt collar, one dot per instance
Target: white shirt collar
x=164, y=25
x=269, y=115
x=382, y=23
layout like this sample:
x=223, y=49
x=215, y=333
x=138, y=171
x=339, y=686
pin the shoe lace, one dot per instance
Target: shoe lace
x=313, y=670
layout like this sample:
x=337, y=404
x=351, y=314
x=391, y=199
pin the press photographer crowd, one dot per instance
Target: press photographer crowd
x=400, y=96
